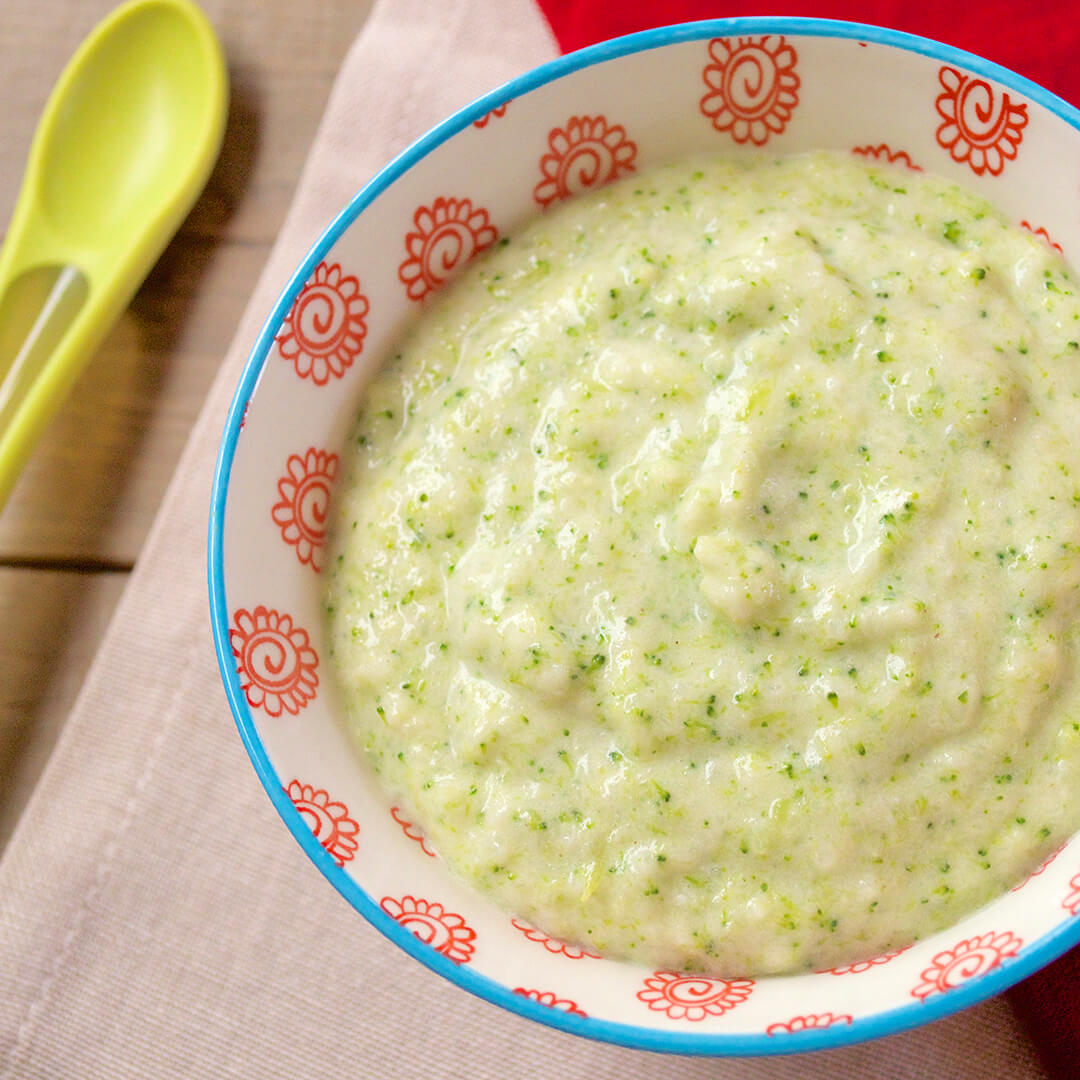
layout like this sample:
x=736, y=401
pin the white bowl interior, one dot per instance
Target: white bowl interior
x=878, y=94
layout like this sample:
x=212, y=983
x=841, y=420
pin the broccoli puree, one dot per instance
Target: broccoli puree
x=707, y=579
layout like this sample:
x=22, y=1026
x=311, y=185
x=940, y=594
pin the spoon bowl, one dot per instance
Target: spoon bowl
x=154, y=65
x=125, y=144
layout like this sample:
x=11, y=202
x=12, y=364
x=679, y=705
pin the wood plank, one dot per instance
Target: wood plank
x=52, y=624
x=94, y=482
x=282, y=58
x=91, y=489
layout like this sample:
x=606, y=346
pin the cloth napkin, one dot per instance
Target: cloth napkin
x=156, y=919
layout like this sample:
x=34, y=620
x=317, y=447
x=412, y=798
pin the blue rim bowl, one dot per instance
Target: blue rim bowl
x=1027, y=961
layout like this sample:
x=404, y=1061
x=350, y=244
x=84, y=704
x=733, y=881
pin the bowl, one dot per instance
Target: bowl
x=735, y=86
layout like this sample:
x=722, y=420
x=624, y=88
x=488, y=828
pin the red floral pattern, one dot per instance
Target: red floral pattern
x=752, y=87
x=325, y=329
x=966, y=960
x=554, y=945
x=546, y=997
x=1040, y=231
x=445, y=931
x=413, y=832
x=809, y=1022
x=864, y=965
x=883, y=152
x=1071, y=903
x=978, y=126
x=692, y=997
x=447, y=235
x=277, y=666
x=587, y=153
x=499, y=110
x=305, y=495
x=328, y=820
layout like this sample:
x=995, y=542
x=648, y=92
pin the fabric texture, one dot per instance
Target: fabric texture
x=156, y=918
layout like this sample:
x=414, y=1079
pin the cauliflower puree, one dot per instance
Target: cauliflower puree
x=707, y=580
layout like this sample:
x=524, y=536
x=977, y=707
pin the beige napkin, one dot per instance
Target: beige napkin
x=156, y=918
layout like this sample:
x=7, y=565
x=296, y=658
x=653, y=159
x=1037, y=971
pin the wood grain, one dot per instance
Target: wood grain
x=52, y=622
x=76, y=521
x=95, y=481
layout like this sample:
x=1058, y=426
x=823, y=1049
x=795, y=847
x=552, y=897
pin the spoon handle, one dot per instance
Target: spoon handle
x=44, y=331
x=51, y=320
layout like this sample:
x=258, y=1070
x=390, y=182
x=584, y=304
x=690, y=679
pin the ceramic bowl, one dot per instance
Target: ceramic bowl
x=728, y=86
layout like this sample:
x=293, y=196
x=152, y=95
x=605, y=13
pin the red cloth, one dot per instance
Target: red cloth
x=1041, y=41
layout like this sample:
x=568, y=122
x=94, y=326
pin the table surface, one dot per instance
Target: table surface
x=75, y=524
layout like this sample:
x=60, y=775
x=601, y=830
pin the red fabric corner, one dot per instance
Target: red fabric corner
x=1048, y=1005
x=1040, y=41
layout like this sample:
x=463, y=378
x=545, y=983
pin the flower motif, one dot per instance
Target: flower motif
x=324, y=331
x=546, y=997
x=1071, y=903
x=274, y=659
x=305, y=495
x=499, y=110
x=967, y=960
x=864, y=965
x=809, y=1022
x=413, y=832
x=588, y=153
x=1040, y=231
x=752, y=87
x=882, y=152
x=329, y=821
x=977, y=127
x=448, y=234
x=445, y=931
x=553, y=945
x=692, y=997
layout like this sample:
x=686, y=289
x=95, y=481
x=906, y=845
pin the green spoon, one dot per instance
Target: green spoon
x=125, y=145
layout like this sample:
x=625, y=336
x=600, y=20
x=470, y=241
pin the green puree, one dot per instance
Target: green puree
x=707, y=580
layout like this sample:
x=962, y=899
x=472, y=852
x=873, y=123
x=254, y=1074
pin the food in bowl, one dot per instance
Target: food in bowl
x=707, y=577
x=647, y=99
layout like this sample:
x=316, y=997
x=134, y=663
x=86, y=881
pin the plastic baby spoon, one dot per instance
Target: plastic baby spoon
x=125, y=144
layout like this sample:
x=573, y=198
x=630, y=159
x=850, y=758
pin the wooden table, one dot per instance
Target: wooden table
x=75, y=524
